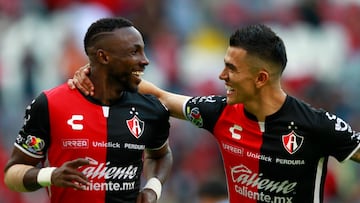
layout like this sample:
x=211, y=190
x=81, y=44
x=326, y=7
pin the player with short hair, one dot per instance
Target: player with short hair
x=96, y=148
x=275, y=147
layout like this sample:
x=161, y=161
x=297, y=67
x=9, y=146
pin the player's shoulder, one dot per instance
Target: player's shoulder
x=59, y=88
x=152, y=99
x=303, y=105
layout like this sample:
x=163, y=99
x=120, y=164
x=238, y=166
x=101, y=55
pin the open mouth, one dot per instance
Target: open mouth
x=229, y=89
x=138, y=73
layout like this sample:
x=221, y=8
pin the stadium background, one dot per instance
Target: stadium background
x=41, y=46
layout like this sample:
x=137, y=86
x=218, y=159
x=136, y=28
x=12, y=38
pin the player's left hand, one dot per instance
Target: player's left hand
x=81, y=81
x=146, y=196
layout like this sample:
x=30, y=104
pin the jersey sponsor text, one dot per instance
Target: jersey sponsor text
x=245, y=180
x=109, y=186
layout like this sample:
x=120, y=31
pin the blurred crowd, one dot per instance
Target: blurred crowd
x=41, y=46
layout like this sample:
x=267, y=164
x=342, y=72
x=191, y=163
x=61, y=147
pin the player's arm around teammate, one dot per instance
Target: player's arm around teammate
x=174, y=102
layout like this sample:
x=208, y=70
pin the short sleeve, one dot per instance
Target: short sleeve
x=204, y=111
x=33, y=137
x=341, y=140
x=161, y=124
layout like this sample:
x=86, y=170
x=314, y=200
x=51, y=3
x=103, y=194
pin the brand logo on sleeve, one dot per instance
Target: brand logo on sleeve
x=194, y=116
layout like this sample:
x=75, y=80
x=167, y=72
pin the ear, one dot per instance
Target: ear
x=262, y=78
x=102, y=56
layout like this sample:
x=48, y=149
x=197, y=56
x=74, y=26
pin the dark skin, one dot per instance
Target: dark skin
x=116, y=62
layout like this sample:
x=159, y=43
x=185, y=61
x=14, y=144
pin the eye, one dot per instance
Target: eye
x=134, y=51
x=231, y=68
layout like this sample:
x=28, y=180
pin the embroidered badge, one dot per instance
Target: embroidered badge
x=292, y=142
x=135, y=124
x=34, y=144
x=194, y=116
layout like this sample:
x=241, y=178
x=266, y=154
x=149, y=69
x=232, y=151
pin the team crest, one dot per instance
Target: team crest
x=292, y=142
x=136, y=126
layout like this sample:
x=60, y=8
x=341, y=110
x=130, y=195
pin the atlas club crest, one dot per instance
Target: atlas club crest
x=292, y=142
x=135, y=125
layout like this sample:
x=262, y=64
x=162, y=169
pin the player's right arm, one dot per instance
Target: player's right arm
x=24, y=172
x=23, y=175
x=174, y=102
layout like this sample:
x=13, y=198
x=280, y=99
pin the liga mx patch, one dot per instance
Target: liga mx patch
x=32, y=144
x=292, y=142
x=194, y=116
x=136, y=126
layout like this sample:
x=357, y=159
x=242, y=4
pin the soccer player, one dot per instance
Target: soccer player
x=275, y=147
x=95, y=148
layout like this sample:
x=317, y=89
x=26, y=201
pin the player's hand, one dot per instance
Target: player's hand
x=146, y=196
x=68, y=175
x=81, y=81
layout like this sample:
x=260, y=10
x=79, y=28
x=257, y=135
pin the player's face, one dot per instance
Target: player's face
x=127, y=58
x=239, y=80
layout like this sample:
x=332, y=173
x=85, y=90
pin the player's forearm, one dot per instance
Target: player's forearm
x=22, y=178
x=159, y=167
x=174, y=102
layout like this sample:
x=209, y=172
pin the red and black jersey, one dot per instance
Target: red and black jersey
x=283, y=159
x=62, y=125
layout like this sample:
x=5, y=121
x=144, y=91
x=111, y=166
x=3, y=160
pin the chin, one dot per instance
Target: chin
x=229, y=101
x=232, y=101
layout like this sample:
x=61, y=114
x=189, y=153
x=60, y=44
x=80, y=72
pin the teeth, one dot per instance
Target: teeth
x=228, y=88
x=138, y=73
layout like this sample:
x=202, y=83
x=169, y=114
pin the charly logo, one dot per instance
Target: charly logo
x=235, y=131
x=135, y=125
x=73, y=122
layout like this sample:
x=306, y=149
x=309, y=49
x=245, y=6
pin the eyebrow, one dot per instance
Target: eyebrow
x=230, y=65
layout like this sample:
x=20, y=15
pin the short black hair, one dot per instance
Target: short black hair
x=103, y=25
x=261, y=41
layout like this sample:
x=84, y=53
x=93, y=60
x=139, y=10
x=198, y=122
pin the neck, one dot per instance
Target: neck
x=104, y=92
x=266, y=103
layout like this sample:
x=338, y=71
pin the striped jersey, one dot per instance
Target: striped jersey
x=62, y=125
x=281, y=160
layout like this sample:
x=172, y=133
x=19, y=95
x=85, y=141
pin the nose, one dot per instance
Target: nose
x=223, y=75
x=144, y=60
